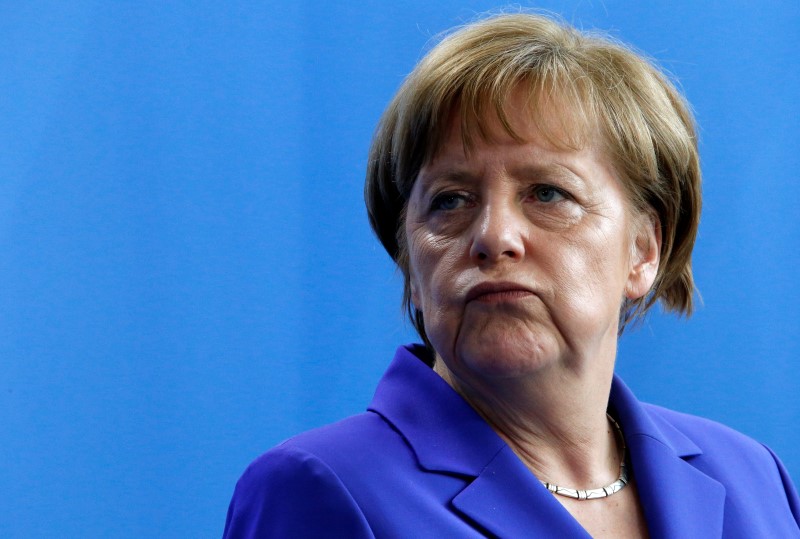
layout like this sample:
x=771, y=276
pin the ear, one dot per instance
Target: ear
x=645, y=256
x=414, y=289
x=414, y=297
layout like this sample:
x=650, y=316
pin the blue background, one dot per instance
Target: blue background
x=186, y=271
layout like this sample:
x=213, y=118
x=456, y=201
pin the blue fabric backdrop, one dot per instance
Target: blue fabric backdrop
x=186, y=271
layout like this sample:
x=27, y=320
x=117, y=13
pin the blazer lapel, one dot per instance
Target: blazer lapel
x=679, y=500
x=501, y=495
x=507, y=501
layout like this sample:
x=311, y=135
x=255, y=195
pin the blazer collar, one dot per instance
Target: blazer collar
x=503, y=497
x=446, y=434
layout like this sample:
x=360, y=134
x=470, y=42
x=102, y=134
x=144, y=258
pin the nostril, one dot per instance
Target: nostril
x=481, y=256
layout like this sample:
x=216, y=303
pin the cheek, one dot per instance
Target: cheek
x=437, y=281
x=427, y=259
x=591, y=273
x=417, y=264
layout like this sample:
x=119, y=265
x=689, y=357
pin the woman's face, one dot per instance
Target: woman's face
x=521, y=254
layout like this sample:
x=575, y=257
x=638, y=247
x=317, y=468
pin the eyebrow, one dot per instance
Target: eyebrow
x=447, y=174
x=552, y=170
x=523, y=172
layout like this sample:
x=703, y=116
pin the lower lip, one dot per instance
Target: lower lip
x=500, y=297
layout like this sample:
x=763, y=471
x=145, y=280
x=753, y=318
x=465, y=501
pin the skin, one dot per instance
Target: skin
x=520, y=257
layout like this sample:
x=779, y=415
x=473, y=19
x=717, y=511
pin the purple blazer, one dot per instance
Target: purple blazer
x=422, y=463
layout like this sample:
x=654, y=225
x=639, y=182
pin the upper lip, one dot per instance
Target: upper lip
x=493, y=288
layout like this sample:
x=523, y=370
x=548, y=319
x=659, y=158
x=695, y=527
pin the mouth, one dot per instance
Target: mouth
x=497, y=292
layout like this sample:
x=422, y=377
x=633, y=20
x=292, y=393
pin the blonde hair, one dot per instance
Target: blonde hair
x=600, y=86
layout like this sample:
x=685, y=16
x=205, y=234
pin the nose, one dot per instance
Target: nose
x=498, y=234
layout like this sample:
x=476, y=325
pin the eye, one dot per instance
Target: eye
x=449, y=201
x=548, y=193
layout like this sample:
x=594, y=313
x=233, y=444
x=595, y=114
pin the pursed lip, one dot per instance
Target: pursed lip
x=488, y=291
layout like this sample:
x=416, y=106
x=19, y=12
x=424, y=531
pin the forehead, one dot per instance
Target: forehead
x=524, y=115
x=538, y=131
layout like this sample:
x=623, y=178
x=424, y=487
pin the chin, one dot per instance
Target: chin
x=504, y=356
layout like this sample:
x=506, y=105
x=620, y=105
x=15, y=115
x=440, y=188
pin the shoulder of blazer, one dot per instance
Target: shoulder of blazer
x=290, y=492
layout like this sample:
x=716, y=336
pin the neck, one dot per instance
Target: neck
x=554, y=420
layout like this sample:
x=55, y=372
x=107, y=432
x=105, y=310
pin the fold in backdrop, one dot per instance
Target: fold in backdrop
x=186, y=271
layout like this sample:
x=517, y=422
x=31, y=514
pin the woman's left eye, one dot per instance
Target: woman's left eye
x=548, y=193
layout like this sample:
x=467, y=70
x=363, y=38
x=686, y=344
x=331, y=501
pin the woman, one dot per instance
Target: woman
x=540, y=189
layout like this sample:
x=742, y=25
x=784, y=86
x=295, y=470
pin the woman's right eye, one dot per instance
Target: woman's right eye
x=449, y=201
